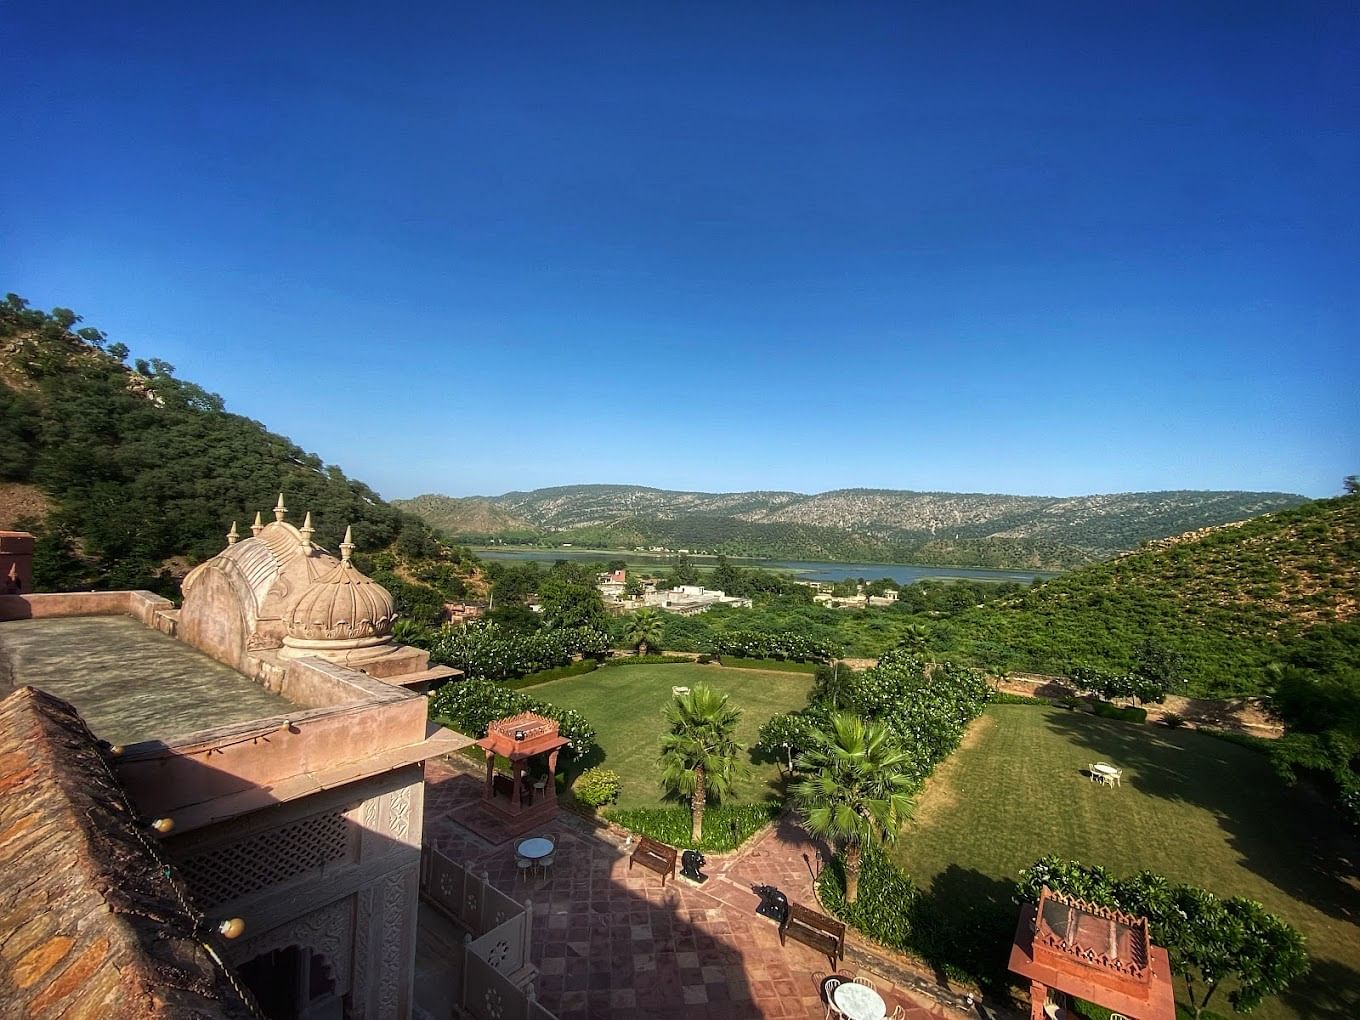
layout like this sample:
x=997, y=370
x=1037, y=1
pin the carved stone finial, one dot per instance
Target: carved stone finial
x=347, y=546
x=279, y=509
x=307, y=531
x=233, y=534
x=258, y=526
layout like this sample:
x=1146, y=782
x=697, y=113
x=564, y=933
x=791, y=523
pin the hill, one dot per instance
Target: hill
x=128, y=475
x=958, y=529
x=1228, y=601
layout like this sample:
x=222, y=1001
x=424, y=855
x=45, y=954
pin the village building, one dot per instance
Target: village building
x=689, y=599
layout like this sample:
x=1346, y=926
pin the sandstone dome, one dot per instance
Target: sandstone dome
x=340, y=605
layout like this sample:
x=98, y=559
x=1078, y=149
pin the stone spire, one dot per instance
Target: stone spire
x=279, y=509
x=307, y=531
x=258, y=526
x=347, y=546
x=233, y=534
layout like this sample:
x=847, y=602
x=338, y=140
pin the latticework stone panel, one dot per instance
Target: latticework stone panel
x=226, y=873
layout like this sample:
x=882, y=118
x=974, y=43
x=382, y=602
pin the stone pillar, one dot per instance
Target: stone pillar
x=490, y=790
x=1038, y=998
x=16, y=563
x=552, y=775
x=516, y=770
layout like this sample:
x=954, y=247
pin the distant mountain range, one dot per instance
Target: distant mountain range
x=943, y=528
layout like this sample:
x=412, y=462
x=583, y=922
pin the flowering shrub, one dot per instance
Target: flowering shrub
x=597, y=786
x=485, y=651
x=747, y=644
x=726, y=826
x=470, y=706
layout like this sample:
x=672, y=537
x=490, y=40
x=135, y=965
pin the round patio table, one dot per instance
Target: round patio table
x=859, y=1002
x=1107, y=772
x=535, y=849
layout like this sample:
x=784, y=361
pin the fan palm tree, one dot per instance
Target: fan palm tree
x=699, y=753
x=644, y=629
x=856, y=791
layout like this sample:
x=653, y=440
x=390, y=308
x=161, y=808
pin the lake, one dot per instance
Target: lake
x=806, y=570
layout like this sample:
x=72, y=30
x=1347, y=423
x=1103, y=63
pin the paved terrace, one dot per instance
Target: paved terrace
x=612, y=943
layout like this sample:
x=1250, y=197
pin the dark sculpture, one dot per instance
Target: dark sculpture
x=690, y=863
x=773, y=903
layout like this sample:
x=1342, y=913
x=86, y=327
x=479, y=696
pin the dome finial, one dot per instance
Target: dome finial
x=279, y=509
x=307, y=531
x=258, y=526
x=233, y=534
x=347, y=546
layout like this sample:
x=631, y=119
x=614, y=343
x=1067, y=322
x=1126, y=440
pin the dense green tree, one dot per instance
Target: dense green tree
x=856, y=791
x=683, y=572
x=571, y=598
x=699, y=751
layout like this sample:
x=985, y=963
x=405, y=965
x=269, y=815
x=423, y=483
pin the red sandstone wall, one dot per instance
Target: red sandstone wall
x=141, y=605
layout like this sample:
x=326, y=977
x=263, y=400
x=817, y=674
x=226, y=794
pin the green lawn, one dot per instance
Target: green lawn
x=1194, y=808
x=624, y=705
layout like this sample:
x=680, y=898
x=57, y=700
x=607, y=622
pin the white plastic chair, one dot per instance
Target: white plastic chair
x=524, y=865
x=544, y=863
x=829, y=987
x=862, y=980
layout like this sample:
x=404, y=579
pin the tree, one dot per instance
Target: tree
x=571, y=598
x=1351, y=483
x=644, y=629
x=856, y=791
x=683, y=572
x=699, y=752
x=915, y=638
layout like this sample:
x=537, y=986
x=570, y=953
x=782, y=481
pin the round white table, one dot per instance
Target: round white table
x=535, y=849
x=1108, y=773
x=859, y=1002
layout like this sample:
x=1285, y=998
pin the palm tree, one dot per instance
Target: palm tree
x=644, y=629
x=856, y=791
x=699, y=754
x=915, y=639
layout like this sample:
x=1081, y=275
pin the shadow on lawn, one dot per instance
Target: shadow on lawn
x=1289, y=836
x=964, y=922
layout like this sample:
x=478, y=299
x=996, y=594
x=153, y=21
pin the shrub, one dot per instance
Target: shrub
x=1107, y=711
x=747, y=644
x=1002, y=698
x=726, y=826
x=597, y=787
x=781, y=665
x=704, y=659
x=646, y=660
x=470, y=706
x=487, y=651
x=1173, y=720
x=542, y=677
x=785, y=736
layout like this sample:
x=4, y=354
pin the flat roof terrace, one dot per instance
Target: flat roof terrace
x=129, y=682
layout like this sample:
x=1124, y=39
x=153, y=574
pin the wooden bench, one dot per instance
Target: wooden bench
x=654, y=856
x=822, y=933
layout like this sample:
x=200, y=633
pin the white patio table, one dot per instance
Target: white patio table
x=859, y=1002
x=1108, y=774
x=535, y=849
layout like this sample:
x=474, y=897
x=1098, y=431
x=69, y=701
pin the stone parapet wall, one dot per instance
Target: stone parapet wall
x=141, y=605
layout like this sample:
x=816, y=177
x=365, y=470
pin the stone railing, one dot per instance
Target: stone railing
x=497, y=977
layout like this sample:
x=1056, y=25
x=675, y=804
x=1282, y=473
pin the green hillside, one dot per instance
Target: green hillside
x=139, y=474
x=1229, y=600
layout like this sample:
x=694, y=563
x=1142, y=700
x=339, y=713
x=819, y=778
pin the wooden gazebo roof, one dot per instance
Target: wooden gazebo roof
x=522, y=736
x=1097, y=954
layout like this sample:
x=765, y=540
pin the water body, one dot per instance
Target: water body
x=806, y=570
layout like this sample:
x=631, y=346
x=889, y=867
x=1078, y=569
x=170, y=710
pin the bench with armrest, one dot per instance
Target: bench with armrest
x=654, y=856
x=822, y=933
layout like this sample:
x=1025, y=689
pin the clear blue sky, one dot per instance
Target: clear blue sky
x=1025, y=248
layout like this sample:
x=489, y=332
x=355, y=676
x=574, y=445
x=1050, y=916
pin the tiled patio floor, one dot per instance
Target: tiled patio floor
x=613, y=944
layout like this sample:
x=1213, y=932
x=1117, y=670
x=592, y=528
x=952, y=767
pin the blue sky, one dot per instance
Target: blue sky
x=1056, y=249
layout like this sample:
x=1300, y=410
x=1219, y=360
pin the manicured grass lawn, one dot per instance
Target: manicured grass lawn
x=1194, y=808
x=624, y=705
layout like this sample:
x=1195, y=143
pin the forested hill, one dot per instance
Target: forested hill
x=1229, y=603
x=129, y=474
x=963, y=529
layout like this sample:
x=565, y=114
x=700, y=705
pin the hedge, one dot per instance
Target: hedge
x=542, y=677
x=1107, y=711
x=486, y=651
x=1003, y=698
x=647, y=660
x=726, y=826
x=782, y=665
x=749, y=644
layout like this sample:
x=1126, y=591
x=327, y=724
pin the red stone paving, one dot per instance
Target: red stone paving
x=612, y=943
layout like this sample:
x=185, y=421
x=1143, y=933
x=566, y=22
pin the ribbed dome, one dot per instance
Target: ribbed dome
x=341, y=605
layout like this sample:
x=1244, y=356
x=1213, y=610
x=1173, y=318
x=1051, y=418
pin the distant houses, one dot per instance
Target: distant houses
x=685, y=599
